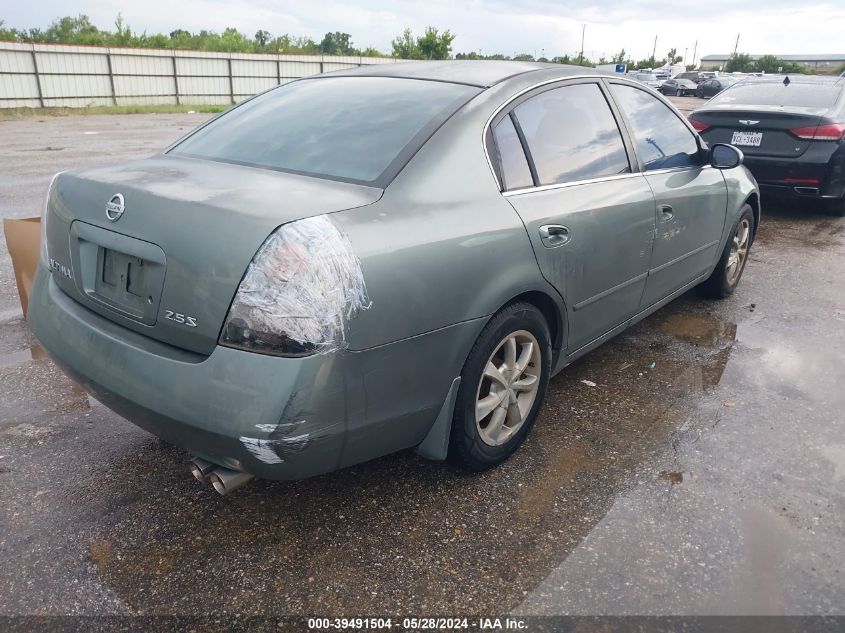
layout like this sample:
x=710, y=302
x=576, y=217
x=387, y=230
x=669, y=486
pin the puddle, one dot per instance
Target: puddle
x=698, y=329
x=36, y=352
x=537, y=499
x=820, y=233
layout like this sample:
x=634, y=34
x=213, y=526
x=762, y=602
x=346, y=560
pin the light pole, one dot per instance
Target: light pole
x=581, y=56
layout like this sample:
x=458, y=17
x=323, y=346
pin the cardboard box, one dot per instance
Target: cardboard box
x=23, y=237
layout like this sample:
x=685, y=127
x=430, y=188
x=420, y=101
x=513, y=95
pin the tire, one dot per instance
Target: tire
x=725, y=278
x=679, y=93
x=479, y=445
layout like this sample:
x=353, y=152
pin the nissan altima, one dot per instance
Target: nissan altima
x=386, y=258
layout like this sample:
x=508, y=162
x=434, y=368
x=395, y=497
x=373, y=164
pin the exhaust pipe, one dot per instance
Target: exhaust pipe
x=201, y=469
x=225, y=480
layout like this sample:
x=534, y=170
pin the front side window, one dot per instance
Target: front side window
x=512, y=163
x=661, y=138
x=347, y=128
x=572, y=135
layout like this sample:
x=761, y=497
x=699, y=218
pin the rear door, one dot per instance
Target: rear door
x=567, y=172
x=691, y=197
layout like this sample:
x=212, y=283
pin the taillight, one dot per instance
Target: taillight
x=699, y=126
x=299, y=292
x=825, y=132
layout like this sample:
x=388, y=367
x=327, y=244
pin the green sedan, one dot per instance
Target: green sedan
x=392, y=257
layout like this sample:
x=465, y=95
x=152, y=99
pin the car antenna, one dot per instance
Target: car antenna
x=786, y=81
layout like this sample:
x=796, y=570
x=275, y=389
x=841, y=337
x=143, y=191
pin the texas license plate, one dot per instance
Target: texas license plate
x=749, y=139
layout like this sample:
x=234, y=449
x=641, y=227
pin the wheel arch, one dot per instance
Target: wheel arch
x=551, y=310
x=754, y=201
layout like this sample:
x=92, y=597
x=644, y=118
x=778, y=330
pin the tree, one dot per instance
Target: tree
x=262, y=39
x=434, y=45
x=70, y=30
x=673, y=58
x=9, y=35
x=774, y=64
x=620, y=57
x=524, y=57
x=122, y=33
x=405, y=46
x=336, y=43
x=739, y=63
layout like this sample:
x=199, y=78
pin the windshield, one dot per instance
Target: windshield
x=774, y=93
x=356, y=129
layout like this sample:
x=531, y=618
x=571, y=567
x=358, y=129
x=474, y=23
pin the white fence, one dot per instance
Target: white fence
x=45, y=75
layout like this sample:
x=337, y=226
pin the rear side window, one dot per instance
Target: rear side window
x=511, y=157
x=774, y=93
x=572, y=135
x=359, y=129
x=662, y=139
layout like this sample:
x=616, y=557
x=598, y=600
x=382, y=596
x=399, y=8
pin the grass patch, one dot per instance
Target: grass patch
x=7, y=114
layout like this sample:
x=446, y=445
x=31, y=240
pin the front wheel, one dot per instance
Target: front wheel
x=679, y=93
x=503, y=384
x=726, y=275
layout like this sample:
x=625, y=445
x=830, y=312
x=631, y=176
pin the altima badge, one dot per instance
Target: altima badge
x=115, y=207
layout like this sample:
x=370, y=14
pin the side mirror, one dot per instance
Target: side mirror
x=724, y=156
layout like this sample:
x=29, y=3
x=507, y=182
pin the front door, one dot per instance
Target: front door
x=690, y=196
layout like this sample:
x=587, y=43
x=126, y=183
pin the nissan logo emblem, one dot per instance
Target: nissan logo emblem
x=115, y=207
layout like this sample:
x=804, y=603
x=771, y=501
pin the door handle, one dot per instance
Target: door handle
x=666, y=212
x=554, y=235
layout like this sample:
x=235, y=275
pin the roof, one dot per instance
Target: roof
x=786, y=58
x=481, y=73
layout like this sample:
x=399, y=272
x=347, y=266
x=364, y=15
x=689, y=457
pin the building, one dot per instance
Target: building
x=823, y=64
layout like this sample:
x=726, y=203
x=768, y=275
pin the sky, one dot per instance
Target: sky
x=537, y=27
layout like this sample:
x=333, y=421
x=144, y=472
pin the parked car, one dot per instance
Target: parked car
x=694, y=76
x=678, y=87
x=649, y=79
x=715, y=85
x=791, y=131
x=338, y=269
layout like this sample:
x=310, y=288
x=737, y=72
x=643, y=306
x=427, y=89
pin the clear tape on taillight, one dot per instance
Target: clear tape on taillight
x=300, y=291
x=45, y=255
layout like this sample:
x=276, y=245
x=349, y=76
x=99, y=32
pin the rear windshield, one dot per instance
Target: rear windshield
x=774, y=93
x=356, y=129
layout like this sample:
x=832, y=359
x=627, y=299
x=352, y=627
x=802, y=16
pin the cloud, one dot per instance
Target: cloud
x=506, y=26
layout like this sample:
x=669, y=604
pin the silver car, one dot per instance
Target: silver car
x=394, y=257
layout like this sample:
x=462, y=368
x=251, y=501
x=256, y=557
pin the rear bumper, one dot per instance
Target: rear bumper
x=818, y=173
x=276, y=418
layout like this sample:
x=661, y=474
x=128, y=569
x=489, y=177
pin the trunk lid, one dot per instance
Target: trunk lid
x=170, y=265
x=772, y=123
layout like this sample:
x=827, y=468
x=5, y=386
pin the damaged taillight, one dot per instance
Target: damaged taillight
x=302, y=287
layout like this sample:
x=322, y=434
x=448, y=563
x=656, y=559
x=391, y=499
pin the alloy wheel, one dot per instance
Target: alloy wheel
x=739, y=251
x=508, y=387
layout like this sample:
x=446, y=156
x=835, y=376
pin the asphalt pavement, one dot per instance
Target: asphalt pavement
x=693, y=465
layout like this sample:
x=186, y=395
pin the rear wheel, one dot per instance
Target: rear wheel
x=679, y=93
x=503, y=384
x=728, y=271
